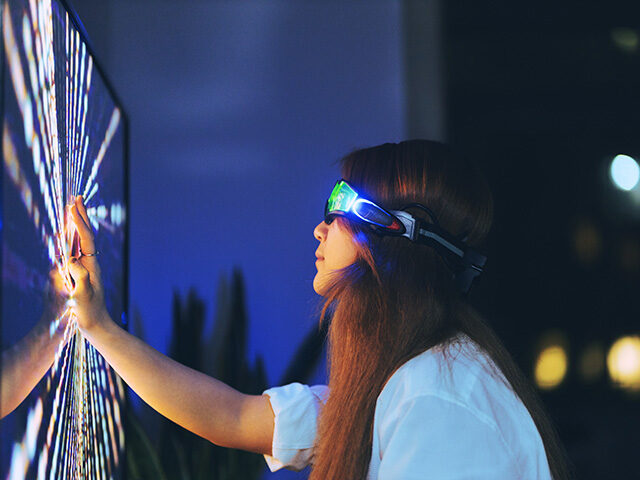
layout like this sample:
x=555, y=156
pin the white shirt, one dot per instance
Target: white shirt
x=438, y=417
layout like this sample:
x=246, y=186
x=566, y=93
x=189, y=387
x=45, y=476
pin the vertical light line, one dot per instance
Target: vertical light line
x=66, y=79
x=84, y=119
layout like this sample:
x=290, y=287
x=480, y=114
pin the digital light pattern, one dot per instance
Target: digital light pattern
x=62, y=136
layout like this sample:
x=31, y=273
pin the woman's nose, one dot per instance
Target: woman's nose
x=320, y=232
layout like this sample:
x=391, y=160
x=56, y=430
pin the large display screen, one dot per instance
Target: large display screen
x=63, y=134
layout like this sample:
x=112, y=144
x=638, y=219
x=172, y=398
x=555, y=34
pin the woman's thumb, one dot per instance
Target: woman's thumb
x=79, y=274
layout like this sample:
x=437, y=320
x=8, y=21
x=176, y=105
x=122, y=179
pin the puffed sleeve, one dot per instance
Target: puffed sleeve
x=432, y=437
x=296, y=408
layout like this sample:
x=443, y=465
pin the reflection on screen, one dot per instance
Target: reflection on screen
x=63, y=134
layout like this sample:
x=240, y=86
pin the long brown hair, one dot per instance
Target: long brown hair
x=398, y=299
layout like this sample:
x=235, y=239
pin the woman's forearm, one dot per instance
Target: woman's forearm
x=195, y=401
x=25, y=363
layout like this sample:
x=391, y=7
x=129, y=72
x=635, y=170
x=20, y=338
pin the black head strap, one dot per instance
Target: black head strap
x=465, y=262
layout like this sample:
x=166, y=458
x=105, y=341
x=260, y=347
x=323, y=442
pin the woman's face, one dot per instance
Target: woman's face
x=336, y=250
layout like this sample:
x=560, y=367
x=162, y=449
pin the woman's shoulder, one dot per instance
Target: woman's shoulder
x=458, y=371
x=455, y=391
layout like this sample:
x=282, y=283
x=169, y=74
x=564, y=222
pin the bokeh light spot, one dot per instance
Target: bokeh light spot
x=623, y=363
x=552, y=361
x=551, y=367
x=625, y=172
x=626, y=39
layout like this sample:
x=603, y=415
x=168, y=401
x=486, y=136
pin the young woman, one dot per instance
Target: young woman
x=419, y=386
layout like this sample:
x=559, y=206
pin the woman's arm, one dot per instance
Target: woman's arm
x=197, y=402
x=193, y=400
x=26, y=362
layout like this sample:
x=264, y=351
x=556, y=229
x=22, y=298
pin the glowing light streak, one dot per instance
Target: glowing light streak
x=24, y=452
x=81, y=122
x=116, y=417
x=94, y=401
x=62, y=388
x=56, y=402
x=110, y=217
x=111, y=129
x=93, y=191
x=84, y=122
x=74, y=88
x=117, y=214
x=12, y=166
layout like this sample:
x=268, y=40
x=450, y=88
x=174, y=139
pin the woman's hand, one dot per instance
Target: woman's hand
x=88, y=294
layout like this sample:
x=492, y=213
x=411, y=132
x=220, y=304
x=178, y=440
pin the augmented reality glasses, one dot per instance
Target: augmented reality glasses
x=345, y=201
x=465, y=262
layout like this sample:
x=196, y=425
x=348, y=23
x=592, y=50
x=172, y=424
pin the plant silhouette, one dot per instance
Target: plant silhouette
x=182, y=455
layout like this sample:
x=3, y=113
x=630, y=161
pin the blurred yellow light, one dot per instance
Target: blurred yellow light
x=626, y=39
x=591, y=366
x=623, y=362
x=551, y=366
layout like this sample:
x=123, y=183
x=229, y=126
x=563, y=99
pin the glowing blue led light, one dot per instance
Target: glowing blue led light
x=625, y=172
x=368, y=218
x=351, y=203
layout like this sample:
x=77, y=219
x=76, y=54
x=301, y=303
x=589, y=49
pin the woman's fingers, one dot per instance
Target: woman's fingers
x=80, y=276
x=85, y=271
x=82, y=210
x=56, y=292
x=88, y=304
x=82, y=225
x=57, y=282
x=87, y=243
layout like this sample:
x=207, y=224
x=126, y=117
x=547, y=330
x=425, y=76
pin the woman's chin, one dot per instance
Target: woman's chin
x=318, y=285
